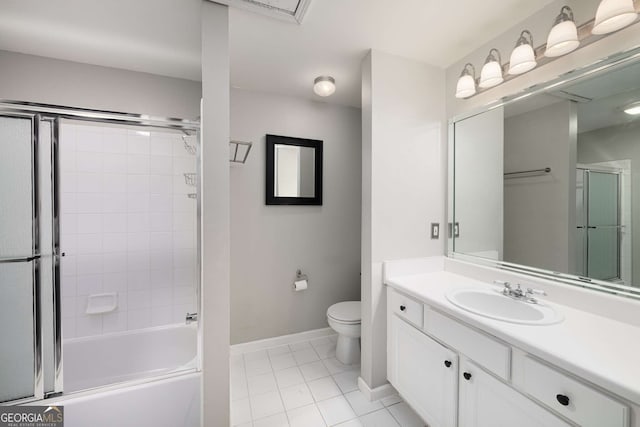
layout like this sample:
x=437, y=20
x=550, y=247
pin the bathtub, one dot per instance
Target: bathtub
x=162, y=388
x=162, y=402
x=123, y=356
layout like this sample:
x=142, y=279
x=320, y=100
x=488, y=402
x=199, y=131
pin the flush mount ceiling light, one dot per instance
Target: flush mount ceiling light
x=491, y=74
x=523, y=57
x=324, y=85
x=613, y=15
x=563, y=37
x=467, y=82
x=633, y=109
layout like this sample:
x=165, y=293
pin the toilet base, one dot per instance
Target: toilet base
x=348, y=350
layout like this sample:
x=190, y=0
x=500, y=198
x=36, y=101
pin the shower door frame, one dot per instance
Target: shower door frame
x=38, y=381
x=39, y=113
x=587, y=169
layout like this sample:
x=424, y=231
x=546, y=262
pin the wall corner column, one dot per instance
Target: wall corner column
x=215, y=298
x=403, y=187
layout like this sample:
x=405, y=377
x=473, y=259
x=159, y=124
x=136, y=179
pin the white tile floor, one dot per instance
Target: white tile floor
x=304, y=385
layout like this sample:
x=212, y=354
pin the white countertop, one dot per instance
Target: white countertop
x=598, y=349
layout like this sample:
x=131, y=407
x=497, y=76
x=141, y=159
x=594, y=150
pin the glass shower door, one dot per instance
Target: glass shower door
x=20, y=363
x=603, y=227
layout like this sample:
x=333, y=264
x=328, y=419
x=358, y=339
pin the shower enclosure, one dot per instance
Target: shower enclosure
x=99, y=249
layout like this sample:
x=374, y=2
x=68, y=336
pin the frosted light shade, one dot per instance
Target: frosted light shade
x=491, y=75
x=523, y=59
x=466, y=87
x=324, y=86
x=613, y=15
x=633, y=109
x=562, y=39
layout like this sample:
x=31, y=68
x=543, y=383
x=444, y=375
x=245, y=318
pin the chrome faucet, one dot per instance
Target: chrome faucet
x=518, y=293
x=528, y=295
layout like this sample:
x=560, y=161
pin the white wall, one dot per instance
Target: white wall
x=479, y=153
x=539, y=212
x=215, y=299
x=269, y=243
x=403, y=178
x=53, y=81
x=127, y=227
x=618, y=143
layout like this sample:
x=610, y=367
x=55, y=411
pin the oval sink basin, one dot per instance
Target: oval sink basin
x=492, y=304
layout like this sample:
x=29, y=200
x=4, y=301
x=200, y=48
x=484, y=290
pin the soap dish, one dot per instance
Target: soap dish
x=102, y=303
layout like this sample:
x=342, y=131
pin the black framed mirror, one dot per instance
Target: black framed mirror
x=294, y=171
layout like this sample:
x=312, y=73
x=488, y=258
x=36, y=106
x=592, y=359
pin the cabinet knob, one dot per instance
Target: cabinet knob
x=562, y=399
x=467, y=376
x=447, y=363
x=403, y=308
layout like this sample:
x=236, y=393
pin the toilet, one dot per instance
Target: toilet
x=344, y=318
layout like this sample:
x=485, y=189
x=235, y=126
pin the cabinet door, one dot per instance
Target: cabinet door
x=424, y=373
x=487, y=402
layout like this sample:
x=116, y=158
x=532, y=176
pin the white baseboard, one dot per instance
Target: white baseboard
x=376, y=393
x=252, y=346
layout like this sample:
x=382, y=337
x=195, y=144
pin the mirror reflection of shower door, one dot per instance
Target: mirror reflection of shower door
x=603, y=225
x=19, y=353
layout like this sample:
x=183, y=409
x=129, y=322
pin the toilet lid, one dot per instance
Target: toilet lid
x=348, y=311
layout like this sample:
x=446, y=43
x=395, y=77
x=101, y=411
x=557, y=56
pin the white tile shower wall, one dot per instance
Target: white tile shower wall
x=127, y=226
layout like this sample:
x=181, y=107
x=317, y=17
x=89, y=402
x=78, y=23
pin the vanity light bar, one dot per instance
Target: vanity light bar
x=565, y=37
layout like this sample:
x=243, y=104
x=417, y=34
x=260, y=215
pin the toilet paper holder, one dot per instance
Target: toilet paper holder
x=301, y=282
x=300, y=276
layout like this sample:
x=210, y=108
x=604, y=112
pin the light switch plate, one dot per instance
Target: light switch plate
x=435, y=230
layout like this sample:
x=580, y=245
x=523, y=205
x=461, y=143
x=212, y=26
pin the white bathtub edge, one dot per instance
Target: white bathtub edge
x=89, y=338
x=167, y=402
x=104, y=391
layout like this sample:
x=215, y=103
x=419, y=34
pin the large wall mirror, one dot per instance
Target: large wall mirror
x=549, y=182
x=294, y=171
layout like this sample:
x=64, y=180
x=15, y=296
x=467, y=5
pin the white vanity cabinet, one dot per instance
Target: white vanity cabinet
x=580, y=403
x=484, y=401
x=455, y=375
x=424, y=373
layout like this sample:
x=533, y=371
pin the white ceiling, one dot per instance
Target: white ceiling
x=605, y=96
x=163, y=37
x=609, y=92
x=155, y=36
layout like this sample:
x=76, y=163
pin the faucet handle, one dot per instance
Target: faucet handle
x=507, y=285
x=506, y=290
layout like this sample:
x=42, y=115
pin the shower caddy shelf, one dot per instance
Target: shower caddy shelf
x=189, y=147
x=190, y=178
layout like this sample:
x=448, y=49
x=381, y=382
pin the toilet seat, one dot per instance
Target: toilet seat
x=345, y=318
x=347, y=312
